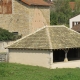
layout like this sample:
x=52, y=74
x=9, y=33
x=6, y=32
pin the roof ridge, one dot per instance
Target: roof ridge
x=27, y=36
x=73, y=30
x=74, y=16
x=56, y=26
x=49, y=38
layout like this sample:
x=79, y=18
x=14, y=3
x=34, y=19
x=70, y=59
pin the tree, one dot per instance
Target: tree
x=61, y=12
x=72, y=0
x=77, y=8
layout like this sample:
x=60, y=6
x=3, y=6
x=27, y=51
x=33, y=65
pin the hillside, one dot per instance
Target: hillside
x=9, y=71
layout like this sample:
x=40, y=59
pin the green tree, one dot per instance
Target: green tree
x=61, y=11
x=77, y=8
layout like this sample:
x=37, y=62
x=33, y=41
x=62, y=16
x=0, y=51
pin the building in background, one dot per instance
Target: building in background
x=74, y=23
x=24, y=16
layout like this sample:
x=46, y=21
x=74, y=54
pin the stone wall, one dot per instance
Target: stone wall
x=14, y=23
x=38, y=17
x=18, y=21
x=20, y=8
x=30, y=57
x=3, y=45
x=46, y=13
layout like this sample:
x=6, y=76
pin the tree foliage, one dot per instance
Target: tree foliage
x=62, y=12
x=5, y=35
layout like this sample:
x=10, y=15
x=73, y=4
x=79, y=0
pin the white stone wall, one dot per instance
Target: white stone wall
x=74, y=19
x=3, y=45
x=42, y=58
x=30, y=57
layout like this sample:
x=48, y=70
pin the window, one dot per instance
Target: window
x=5, y=6
x=15, y=33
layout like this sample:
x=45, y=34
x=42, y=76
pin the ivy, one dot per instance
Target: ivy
x=5, y=35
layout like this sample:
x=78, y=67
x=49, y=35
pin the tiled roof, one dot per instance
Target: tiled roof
x=36, y=2
x=72, y=5
x=51, y=37
x=76, y=28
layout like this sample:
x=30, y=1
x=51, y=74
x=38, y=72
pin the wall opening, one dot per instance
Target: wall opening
x=59, y=55
x=73, y=54
x=15, y=33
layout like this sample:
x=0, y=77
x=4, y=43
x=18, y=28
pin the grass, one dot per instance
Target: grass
x=9, y=71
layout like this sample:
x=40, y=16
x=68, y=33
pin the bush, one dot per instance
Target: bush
x=5, y=35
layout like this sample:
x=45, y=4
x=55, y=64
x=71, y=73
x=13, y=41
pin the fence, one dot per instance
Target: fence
x=3, y=57
x=3, y=51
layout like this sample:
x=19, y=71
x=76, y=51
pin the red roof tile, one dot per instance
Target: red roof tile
x=76, y=28
x=36, y=2
x=72, y=5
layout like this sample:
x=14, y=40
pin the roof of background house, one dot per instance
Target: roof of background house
x=72, y=5
x=75, y=18
x=51, y=37
x=36, y=2
x=76, y=27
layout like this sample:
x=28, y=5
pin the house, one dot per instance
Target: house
x=24, y=16
x=50, y=47
x=74, y=23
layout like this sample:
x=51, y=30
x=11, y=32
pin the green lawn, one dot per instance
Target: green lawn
x=9, y=71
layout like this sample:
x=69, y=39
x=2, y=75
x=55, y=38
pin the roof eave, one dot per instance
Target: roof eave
x=44, y=48
x=39, y=5
x=31, y=4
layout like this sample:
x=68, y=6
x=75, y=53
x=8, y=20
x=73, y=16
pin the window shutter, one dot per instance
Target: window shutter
x=9, y=6
x=1, y=7
x=6, y=6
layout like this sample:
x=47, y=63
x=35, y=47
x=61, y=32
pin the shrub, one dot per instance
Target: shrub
x=5, y=35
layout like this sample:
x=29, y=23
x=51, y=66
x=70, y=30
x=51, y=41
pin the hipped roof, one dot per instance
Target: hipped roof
x=36, y=2
x=49, y=37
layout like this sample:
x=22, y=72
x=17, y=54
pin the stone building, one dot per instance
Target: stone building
x=44, y=45
x=24, y=16
x=50, y=47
